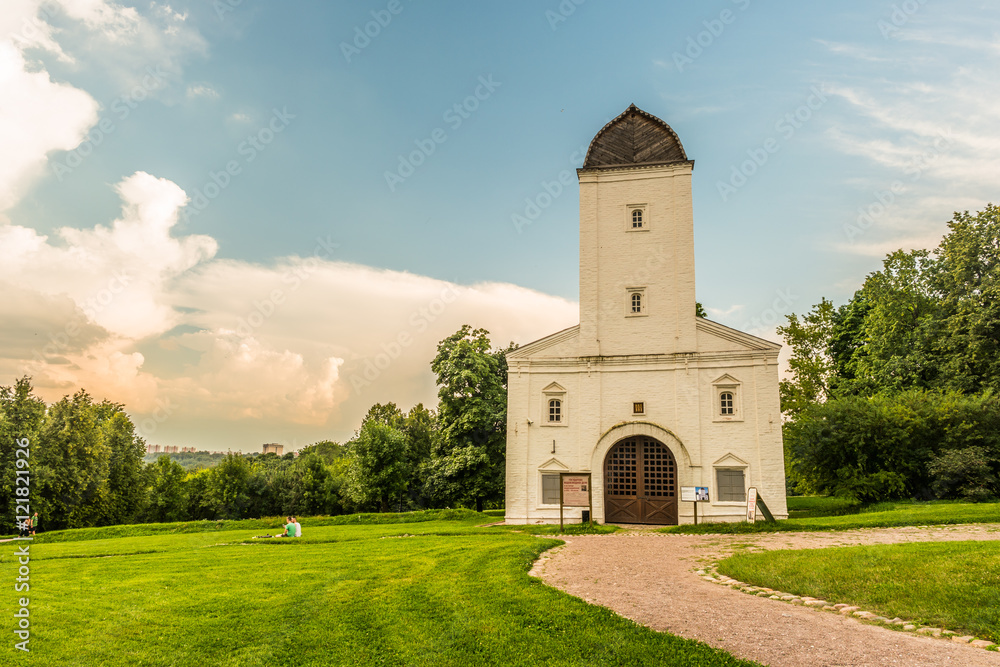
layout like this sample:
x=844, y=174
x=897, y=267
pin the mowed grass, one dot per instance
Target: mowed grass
x=439, y=592
x=883, y=515
x=953, y=585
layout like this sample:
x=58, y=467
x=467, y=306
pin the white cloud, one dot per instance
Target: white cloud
x=119, y=274
x=202, y=90
x=149, y=318
x=37, y=117
x=40, y=116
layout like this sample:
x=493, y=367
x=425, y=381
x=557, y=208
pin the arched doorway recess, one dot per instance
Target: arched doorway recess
x=640, y=482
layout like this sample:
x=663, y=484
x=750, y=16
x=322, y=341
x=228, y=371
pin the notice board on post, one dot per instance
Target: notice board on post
x=574, y=491
x=694, y=494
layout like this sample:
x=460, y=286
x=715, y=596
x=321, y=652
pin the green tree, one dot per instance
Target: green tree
x=894, y=347
x=468, y=466
x=21, y=416
x=227, y=493
x=167, y=500
x=126, y=477
x=388, y=414
x=810, y=365
x=73, y=464
x=327, y=450
x=966, y=276
x=199, y=505
x=378, y=469
x=310, y=490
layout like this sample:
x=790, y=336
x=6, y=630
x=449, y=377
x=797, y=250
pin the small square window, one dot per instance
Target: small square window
x=555, y=410
x=639, y=408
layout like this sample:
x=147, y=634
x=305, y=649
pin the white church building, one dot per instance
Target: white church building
x=643, y=395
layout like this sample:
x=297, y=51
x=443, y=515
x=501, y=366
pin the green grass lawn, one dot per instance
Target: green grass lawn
x=349, y=592
x=905, y=513
x=801, y=507
x=954, y=585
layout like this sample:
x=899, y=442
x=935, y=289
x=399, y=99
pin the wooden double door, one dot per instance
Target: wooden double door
x=640, y=475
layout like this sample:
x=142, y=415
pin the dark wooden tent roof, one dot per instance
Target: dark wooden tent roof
x=635, y=137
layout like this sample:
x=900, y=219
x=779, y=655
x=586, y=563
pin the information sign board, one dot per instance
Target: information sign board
x=576, y=490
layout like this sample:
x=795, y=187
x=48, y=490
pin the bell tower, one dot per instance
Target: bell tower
x=637, y=293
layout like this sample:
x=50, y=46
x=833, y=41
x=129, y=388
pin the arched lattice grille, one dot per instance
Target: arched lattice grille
x=640, y=482
x=620, y=475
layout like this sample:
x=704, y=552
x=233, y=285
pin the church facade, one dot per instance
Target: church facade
x=643, y=394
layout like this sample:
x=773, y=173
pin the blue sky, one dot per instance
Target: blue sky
x=272, y=246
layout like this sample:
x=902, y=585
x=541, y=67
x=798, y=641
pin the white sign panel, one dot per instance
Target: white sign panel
x=694, y=494
x=752, y=504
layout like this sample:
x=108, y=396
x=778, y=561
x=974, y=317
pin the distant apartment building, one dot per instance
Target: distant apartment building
x=273, y=448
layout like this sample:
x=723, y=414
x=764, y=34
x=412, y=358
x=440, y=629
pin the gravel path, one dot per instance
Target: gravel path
x=650, y=578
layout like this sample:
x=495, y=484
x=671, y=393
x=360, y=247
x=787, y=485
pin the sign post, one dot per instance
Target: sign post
x=694, y=494
x=752, y=504
x=575, y=491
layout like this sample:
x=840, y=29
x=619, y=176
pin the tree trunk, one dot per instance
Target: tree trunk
x=479, y=504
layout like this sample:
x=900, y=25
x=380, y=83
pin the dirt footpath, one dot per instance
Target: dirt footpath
x=650, y=578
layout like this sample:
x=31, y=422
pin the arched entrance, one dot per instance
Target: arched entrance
x=640, y=482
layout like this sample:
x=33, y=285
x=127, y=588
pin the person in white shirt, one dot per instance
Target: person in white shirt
x=298, y=527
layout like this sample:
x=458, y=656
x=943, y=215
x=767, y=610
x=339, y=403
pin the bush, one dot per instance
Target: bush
x=963, y=473
x=897, y=446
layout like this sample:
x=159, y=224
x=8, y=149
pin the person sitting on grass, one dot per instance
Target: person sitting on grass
x=289, y=528
x=298, y=527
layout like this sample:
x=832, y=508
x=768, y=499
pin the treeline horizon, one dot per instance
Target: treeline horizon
x=87, y=463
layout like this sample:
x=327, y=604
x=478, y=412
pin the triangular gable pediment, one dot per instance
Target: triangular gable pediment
x=730, y=460
x=554, y=388
x=741, y=339
x=553, y=464
x=534, y=347
x=727, y=379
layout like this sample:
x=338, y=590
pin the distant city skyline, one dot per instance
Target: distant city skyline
x=250, y=221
